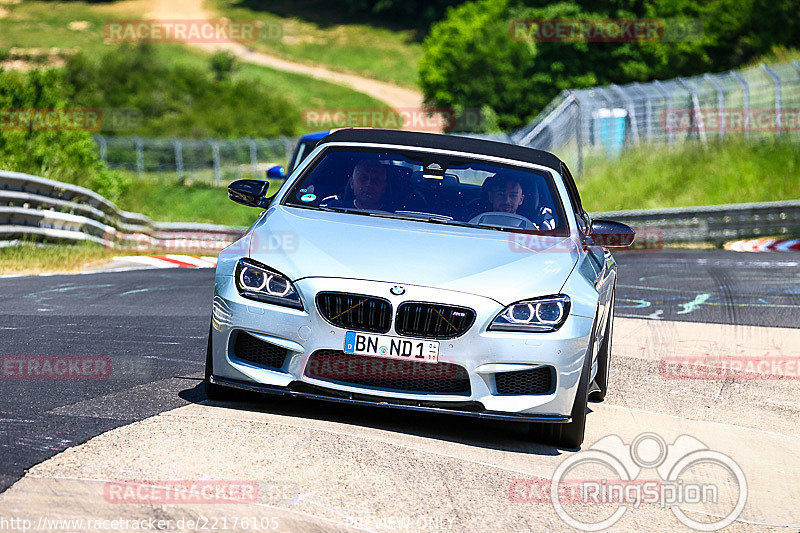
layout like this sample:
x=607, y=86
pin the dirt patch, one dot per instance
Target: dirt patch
x=78, y=25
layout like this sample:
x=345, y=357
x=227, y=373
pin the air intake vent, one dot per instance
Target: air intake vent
x=388, y=374
x=433, y=321
x=536, y=381
x=253, y=350
x=355, y=311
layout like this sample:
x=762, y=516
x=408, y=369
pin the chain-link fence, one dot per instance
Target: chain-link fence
x=216, y=160
x=756, y=103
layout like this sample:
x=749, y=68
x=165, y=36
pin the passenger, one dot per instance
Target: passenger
x=506, y=196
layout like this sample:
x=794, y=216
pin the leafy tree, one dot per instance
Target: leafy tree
x=52, y=152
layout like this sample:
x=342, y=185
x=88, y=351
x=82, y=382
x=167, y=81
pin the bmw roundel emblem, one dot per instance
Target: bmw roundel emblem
x=397, y=290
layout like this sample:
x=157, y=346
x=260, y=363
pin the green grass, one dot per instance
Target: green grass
x=693, y=174
x=171, y=201
x=318, y=32
x=43, y=25
x=30, y=258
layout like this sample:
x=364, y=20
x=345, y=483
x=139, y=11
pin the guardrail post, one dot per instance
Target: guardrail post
x=178, y=157
x=777, y=81
x=668, y=97
x=215, y=157
x=139, y=156
x=720, y=103
x=253, y=156
x=745, y=101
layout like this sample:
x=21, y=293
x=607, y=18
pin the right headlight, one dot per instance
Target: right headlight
x=259, y=282
x=536, y=315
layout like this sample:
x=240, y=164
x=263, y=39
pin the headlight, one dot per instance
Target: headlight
x=540, y=314
x=259, y=282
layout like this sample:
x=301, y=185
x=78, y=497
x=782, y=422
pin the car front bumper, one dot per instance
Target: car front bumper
x=480, y=352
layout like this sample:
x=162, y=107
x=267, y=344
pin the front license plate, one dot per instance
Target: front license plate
x=391, y=347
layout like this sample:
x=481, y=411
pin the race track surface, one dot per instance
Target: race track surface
x=152, y=326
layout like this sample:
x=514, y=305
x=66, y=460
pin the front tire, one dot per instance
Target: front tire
x=214, y=392
x=600, y=384
x=569, y=435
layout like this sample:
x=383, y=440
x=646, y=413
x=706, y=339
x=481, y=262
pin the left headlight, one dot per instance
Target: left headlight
x=536, y=315
x=259, y=282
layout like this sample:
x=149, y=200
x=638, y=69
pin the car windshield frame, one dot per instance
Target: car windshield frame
x=288, y=197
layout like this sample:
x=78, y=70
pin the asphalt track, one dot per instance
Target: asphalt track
x=152, y=325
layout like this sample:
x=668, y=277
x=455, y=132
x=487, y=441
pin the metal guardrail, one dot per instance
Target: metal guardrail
x=42, y=209
x=34, y=207
x=714, y=224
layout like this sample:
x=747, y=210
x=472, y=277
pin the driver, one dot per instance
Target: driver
x=506, y=195
x=369, y=184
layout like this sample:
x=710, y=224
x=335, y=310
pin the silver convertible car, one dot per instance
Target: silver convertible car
x=424, y=272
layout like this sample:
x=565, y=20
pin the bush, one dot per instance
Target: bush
x=179, y=101
x=63, y=155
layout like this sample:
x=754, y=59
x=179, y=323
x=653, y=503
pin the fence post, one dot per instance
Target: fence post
x=178, y=157
x=101, y=141
x=215, y=158
x=701, y=128
x=287, y=145
x=777, y=81
x=139, y=156
x=253, y=156
x=668, y=97
x=631, y=111
x=745, y=102
x=579, y=135
x=648, y=110
x=720, y=103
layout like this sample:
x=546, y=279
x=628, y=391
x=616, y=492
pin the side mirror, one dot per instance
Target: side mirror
x=610, y=234
x=276, y=173
x=249, y=192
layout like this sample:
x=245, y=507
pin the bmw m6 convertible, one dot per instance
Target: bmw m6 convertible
x=424, y=272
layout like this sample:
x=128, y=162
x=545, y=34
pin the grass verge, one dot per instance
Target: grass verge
x=35, y=27
x=172, y=201
x=30, y=258
x=692, y=174
x=321, y=33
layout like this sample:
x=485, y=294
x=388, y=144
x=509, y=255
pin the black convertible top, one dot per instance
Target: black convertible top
x=445, y=142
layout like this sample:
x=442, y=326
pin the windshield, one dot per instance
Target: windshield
x=433, y=188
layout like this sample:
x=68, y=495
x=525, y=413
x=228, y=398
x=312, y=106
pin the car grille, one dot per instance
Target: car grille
x=388, y=374
x=433, y=321
x=253, y=350
x=536, y=381
x=355, y=311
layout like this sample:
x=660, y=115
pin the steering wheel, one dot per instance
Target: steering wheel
x=501, y=218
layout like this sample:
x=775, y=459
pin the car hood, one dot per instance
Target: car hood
x=506, y=267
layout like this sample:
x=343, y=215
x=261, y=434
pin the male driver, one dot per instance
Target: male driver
x=506, y=195
x=369, y=185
